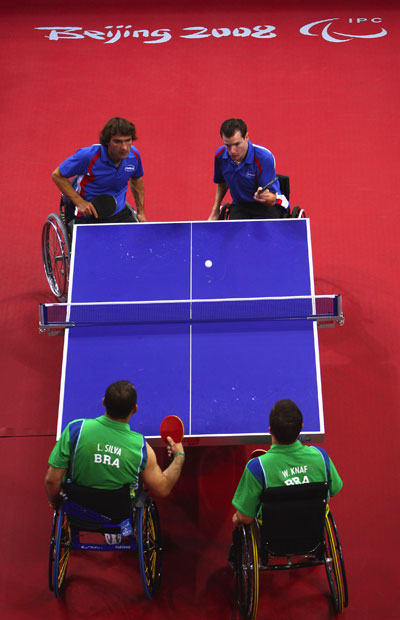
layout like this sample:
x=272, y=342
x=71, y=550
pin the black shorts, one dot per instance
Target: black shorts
x=122, y=216
x=255, y=211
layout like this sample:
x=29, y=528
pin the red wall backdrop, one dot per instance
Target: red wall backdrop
x=324, y=99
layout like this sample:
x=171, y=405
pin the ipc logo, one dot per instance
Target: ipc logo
x=324, y=28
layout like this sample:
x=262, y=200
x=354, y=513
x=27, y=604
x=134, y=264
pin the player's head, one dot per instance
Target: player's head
x=285, y=421
x=117, y=126
x=235, y=138
x=231, y=126
x=120, y=399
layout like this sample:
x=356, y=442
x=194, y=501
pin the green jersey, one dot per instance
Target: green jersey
x=283, y=465
x=100, y=453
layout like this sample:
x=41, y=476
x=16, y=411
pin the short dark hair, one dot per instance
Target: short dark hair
x=285, y=421
x=120, y=399
x=231, y=126
x=116, y=126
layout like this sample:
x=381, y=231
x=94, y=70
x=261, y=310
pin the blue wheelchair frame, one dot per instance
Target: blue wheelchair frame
x=141, y=531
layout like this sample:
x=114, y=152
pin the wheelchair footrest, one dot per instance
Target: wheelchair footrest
x=104, y=547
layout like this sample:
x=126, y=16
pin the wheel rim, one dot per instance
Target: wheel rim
x=56, y=254
x=150, y=548
x=246, y=571
x=52, y=550
x=61, y=554
x=333, y=568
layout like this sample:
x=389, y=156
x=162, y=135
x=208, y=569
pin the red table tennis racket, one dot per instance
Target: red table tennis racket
x=105, y=205
x=257, y=452
x=172, y=426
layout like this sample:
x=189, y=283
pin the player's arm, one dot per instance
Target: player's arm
x=161, y=482
x=248, y=493
x=52, y=482
x=269, y=195
x=335, y=481
x=84, y=207
x=137, y=189
x=220, y=192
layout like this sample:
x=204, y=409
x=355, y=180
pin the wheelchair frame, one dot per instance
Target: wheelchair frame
x=141, y=532
x=251, y=553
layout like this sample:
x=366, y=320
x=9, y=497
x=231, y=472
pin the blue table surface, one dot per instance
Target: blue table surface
x=220, y=378
x=167, y=261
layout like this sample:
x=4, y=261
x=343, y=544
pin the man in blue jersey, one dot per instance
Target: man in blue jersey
x=245, y=168
x=287, y=462
x=105, y=168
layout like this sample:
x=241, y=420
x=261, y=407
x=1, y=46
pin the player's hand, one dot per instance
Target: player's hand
x=266, y=197
x=173, y=448
x=261, y=196
x=55, y=502
x=141, y=217
x=241, y=519
x=86, y=208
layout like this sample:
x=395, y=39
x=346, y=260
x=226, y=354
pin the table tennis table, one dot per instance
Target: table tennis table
x=220, y=377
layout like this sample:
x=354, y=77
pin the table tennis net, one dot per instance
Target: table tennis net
x=320, y=307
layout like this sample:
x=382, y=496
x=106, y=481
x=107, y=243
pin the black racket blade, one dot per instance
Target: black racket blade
x=105, y=205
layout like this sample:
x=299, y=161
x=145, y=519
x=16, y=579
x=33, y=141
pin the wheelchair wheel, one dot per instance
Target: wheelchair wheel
x=52, y=548
x=334, y=565
x=298, y=213
x=245, y=570
x=60, y=548
x=56, y=251
x=150, y=547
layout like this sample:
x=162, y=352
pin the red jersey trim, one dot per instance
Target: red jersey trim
x=257, y=163
x=89, y=177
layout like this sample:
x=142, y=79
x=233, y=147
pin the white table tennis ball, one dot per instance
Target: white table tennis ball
x=208, y=263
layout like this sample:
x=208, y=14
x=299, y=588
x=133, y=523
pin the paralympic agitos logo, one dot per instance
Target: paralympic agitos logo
x=327, y=29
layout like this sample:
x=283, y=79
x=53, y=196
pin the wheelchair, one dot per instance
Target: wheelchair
x=296, y=530
x=75, y=523
x=284, y=182
x=56, y=250
x=56, y=245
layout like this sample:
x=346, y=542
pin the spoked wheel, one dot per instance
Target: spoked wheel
x=245, y=570
x=60, y=548
x=56, y=251
x=150, y=547
x=52, y=548
x=334, y=565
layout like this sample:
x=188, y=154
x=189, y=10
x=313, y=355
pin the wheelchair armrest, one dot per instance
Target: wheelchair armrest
x=132, y=210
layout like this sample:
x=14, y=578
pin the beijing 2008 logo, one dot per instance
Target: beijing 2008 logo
x=327, y=32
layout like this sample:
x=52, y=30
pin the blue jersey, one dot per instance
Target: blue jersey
x=256, y=170
x=97, y=174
